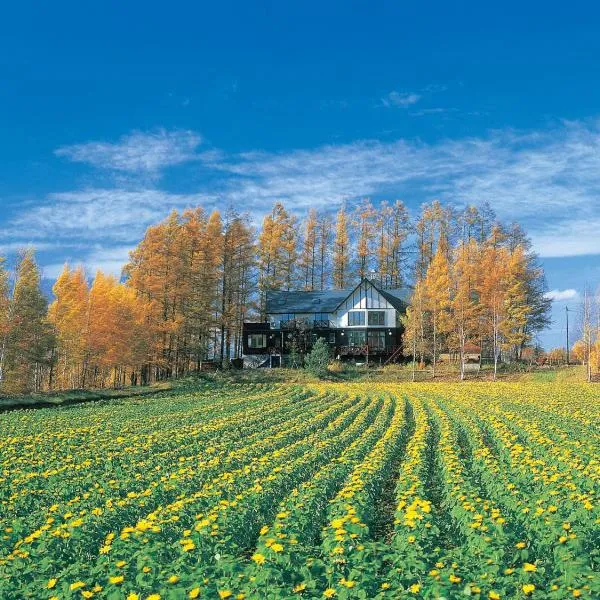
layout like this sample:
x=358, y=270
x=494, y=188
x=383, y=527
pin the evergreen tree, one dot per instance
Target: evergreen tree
x=317, y=360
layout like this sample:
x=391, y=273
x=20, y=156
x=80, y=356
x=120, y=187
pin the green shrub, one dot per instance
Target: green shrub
x=317, y=359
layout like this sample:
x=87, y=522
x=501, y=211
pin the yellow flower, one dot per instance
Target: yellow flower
x=494, y=595
x=117, y=579
x=224, y=594
x=194, y=593
x=454, y=579
x=329, y=593
x=146, y=569
x=415, y=588
x=528, y=588
x=576, y=593
x=529, y=568
x=120, y=563
x=105, y=549
x=51, y=583
x=240, y=597
x=173, y=579
x=520, y=545
x=566, y=526
x=434, y=572
x=411, y=539
x=299, y=588
x=77, y=585
x=133, y=596
x=264, y=529
x=258, y=558
x=385, y=585
x=347, y=583
x=277, y=547
x=153, y=597
x=87, y=594
x=509, y=571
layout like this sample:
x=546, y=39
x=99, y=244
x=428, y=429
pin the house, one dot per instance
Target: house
x=362, y=323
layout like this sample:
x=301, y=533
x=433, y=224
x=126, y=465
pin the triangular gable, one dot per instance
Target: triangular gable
x=365, y=295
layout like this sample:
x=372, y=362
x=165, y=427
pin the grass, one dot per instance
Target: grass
x=68, y=397
x=339, y=373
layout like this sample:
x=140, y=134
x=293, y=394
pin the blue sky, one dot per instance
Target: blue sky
x=113, y=115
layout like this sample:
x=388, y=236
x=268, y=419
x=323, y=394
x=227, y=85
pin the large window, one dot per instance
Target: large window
x=377, y=317
x=257, y=340
x=356, y=317
x=357, y=338
x=376, y=340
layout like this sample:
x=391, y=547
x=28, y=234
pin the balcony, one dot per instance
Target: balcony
x=305, y=324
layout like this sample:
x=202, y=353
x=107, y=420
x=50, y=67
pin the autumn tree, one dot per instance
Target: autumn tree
x=363, y=223
x=415, y=326
x=236, y=285
x=308, y=256
x=433, y=229
x=29, y=341
x=492, y=293
x=277, y=251
x=438, y=301
x=4, y=313
x=324, y=237
x=464, y=300
x=69, y=315
x=118, y=338
x=341, y=251
x=516, y=309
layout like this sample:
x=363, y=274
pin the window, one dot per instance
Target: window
x=376, y=317
x=257, y=340
x=357, y=338
x=356, y=317
x=376, y=340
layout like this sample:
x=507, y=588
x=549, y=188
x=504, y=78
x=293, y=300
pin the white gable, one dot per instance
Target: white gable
x=366, y=298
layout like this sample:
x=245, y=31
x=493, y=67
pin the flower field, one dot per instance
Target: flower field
x=326, y=491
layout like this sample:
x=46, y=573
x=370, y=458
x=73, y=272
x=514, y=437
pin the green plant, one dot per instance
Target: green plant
x=317, y=359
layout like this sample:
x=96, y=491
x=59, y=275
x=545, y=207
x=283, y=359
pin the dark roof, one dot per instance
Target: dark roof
x=278, y=301
x=304, y=302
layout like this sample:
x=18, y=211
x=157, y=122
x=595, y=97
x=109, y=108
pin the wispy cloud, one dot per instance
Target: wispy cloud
x=138, y=152
x=432, y=111
x=400, y=99
x=101, y=214
x=110, y=260
x=549, y=180
x=562, y=295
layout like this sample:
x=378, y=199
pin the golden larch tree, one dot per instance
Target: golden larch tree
x=341, y=251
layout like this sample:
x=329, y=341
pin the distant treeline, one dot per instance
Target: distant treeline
x=196, y=276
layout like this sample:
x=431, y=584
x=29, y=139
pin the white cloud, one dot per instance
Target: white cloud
x=562, y=295
x=101, y=214
x=109, y=260
x=549, y=180
x=402, y=99
x=574, y=237
x=138, y=152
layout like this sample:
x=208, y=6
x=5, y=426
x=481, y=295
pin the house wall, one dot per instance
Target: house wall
x=366, y=298
x=390, y=318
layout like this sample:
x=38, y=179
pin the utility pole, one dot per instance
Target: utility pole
x=567, y=313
